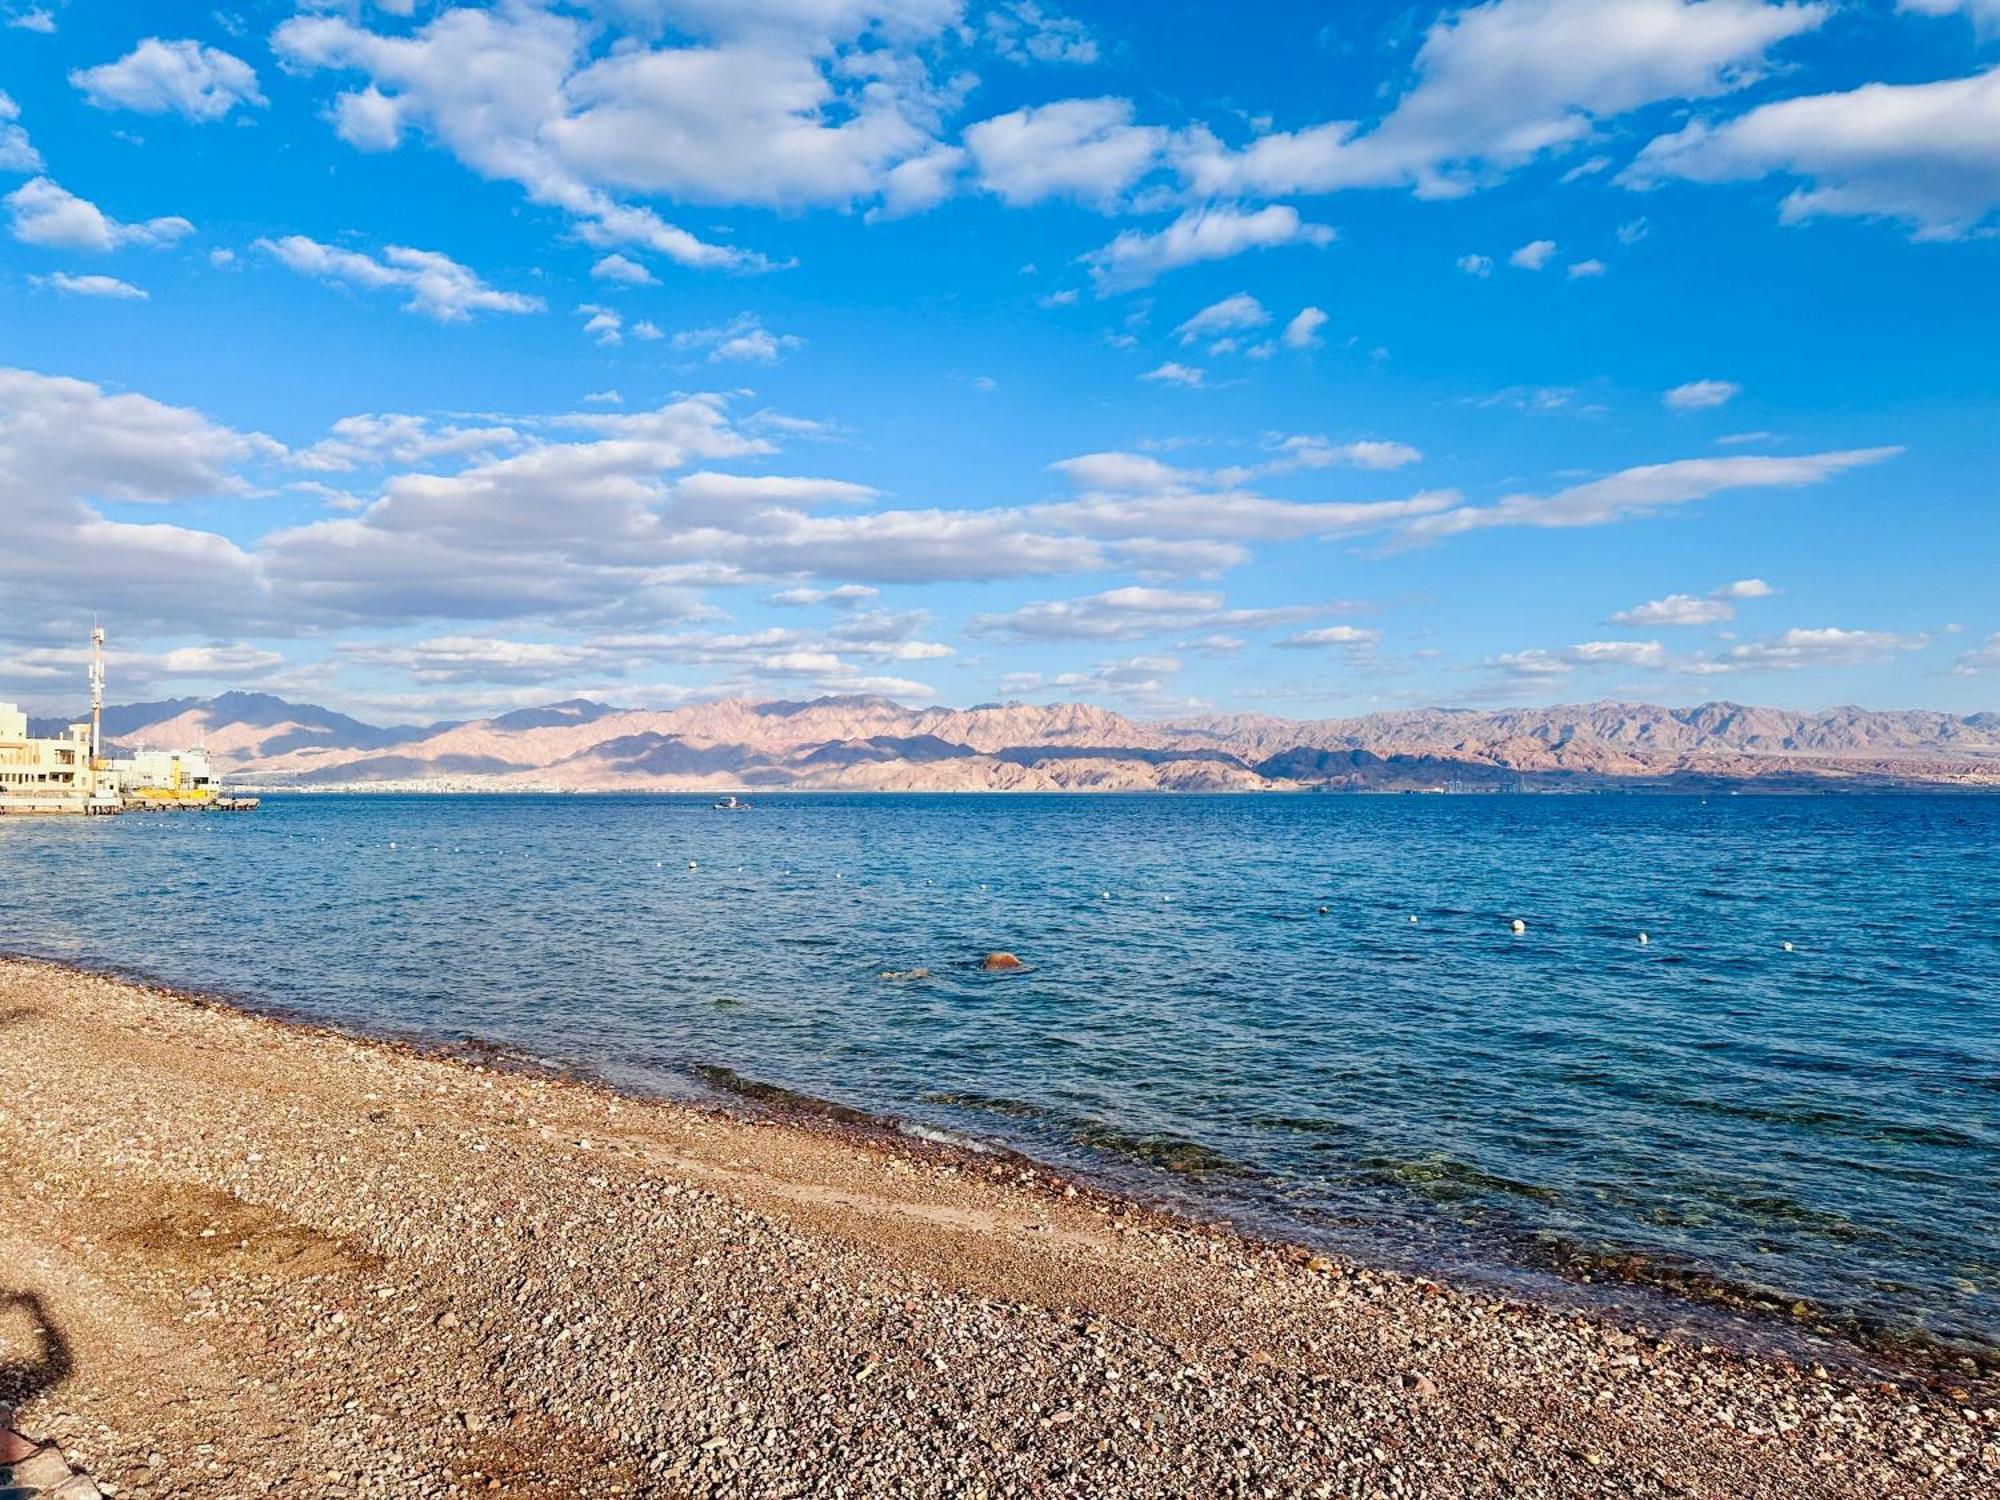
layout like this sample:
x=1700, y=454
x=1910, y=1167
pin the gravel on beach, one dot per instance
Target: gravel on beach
x=241, y=1257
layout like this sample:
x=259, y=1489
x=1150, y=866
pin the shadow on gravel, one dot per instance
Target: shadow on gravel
x=26, y=1376
x=18, y=1014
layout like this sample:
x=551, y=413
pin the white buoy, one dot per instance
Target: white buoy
x=1325, y=911
x=392, y=843
x=693, y=866
x=1643, y=940
x=1104, y=895
x=1788, y=947
x=1413, y=921
x=1519, y=927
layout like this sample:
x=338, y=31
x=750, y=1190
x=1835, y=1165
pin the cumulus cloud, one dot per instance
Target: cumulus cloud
x=182, y=77
x=1533, y=255
x=437, y=286
x=1645, y=490
x=1828, y=646
x=1303, y=330
x=784, y=106
x=1579, y=270
x=1701, y=395
x=1476, y=265
x=1175, y=373
x=91, y=286
x=1979, y=660
x=1137, y=257
x=1499, y=84
x=743, y=341
x=1145, y=681
x=1231, y=315
x=1023, y=31
x=1926, y=154
x=1349, y=638
x=44, y=213
x=17, y=153
x=1087, y=150
x=1711, y=608
x=623, y=268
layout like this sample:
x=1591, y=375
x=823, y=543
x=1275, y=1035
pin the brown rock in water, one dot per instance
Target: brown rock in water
x=1001, y=963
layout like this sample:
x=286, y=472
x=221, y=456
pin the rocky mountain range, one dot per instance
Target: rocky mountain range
x=873, y=744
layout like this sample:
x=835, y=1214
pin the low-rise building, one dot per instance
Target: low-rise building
x=46, y=774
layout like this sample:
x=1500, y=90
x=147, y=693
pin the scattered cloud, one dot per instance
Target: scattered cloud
x=1533, y=255
x=437, y=286
x=91, y=286
x=1349, y=638
x=1701, y=395
x=1129, y=614
x=35, y=18
x=1232, y=314
x=1583, y=268
x=182, y=77
x=1175, y=373
x=1499, y=84
x=1643, y=491
x=1085, y=150
x=1137, y=257
x=17, y=153
x=1711, y=608
x=743, y=341
x=616, y=267
x=1023, y=31
x=1979, y=660
x=44, y=213
x=1825, y=647
x=1476, y=265
x=1303, y=330
x=1924, y=154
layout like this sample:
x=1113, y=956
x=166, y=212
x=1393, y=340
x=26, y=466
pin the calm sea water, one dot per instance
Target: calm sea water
x=1228, y=1001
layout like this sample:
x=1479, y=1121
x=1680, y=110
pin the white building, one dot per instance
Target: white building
x=45, y=775
x=185, y=777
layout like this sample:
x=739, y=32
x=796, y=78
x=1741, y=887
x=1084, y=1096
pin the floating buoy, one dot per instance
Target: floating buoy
x=693, y=866
x=392, y=843
x=1001, y=963
x=1643, y=940
x=1325, y=910
x=1413, y=921
x=1104, y=895
x=1519, y=927
x=1788, y=947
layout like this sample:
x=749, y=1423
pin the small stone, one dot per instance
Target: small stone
x=1001, y=963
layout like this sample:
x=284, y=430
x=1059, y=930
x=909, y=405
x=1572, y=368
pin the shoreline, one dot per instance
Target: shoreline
x=134, y=1096
x=1559, y=1276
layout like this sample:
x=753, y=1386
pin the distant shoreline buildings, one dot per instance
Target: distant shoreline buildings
x=70, y=774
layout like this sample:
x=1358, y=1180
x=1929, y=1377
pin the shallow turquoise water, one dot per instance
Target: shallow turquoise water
x=1822, y=1123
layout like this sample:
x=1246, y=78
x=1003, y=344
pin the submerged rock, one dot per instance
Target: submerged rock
x=902, y=975
x=1001, y=963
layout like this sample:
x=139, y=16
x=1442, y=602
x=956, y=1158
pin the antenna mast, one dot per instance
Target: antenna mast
x=96, y=693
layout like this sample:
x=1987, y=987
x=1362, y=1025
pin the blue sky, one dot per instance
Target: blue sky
x=427, y=359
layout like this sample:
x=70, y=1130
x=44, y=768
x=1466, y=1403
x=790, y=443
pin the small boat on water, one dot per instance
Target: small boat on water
x=731, y=804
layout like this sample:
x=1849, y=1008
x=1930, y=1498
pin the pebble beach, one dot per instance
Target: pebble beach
x=246, y=1257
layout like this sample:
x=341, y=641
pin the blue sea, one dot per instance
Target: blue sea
x=1308, y=1015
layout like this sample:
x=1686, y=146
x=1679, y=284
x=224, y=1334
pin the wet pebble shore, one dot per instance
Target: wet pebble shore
x=246, y=1258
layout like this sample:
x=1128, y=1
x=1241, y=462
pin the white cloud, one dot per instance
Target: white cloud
x=33, y=19
x=743, y=341
x=1711, y=608
x=1476, y=265
x=1231, y=315
x=1023, y=31
x=1303, y=331
x=1980, y=659
x=846, y=595
x=1644, y=490
x=780, y=105
x=1175, y=373
x=1146, y=681
x=47, y=214
x=604, y=398
x=1533, y=255
x=380, y=439
x=1083, y=149
x=1347, y=637
x=437, y=286
x=1499, y=84
x=1129, y=614
x=183, y=77
x=1826, y=647
x=1701, y=395
x=1926, y=154
x=91, y=286
x=622, y=268
x=1583, y=268
x=1136, y=257
x=17, y=153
